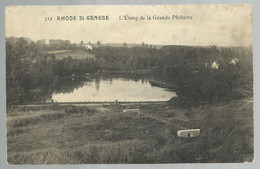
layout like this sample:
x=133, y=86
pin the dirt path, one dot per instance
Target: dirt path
x=156, y=118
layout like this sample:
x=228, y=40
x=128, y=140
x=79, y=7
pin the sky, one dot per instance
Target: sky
x=219, y=25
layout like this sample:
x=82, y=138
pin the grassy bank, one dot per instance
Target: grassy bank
x=75, y=54
x=66, y=134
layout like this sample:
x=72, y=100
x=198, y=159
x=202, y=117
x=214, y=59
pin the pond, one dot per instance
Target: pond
x=110, y=89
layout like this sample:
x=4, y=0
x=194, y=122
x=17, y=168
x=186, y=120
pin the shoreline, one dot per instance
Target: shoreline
x=92, y=103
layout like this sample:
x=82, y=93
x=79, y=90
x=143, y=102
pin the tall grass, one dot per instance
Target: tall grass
x=25, y=121
x=133, y=151
x=110, y=136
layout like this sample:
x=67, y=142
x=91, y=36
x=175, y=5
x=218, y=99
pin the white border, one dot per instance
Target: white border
x=256, y=51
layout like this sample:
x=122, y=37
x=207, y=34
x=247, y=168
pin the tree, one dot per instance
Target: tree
x=98, y=43
x=143, y=44
x=81, y=43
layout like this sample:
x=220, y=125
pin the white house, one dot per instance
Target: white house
x=215, y=65
x=234, y=61
x=89, y=47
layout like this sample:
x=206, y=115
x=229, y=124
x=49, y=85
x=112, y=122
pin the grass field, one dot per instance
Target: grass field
x=76, y=54
x=66, y=134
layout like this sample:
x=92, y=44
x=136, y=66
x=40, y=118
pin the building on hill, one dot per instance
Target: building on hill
x=215, y=65
x=89, y=47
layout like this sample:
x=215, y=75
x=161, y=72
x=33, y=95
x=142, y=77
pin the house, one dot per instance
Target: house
x=89, y=47
x=215, y=65
x=234, y=61
x=188, y=133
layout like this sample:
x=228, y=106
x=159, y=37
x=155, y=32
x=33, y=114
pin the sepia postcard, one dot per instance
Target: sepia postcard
x=140, y=84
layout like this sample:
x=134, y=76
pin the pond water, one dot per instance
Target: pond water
x=111, y=89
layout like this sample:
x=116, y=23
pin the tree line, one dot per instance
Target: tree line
x=31, y=69
x=199, y=75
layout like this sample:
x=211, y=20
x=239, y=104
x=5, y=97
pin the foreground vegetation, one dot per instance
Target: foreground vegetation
x=67, y=134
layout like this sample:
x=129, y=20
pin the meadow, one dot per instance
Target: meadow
x=75, y=54
x=96, y=133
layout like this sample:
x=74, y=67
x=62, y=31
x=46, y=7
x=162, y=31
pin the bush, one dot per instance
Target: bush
x=73, y=110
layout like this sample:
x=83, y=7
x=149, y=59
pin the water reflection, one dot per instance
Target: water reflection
x=67, y=85
x=100, y=89
x=109, y=89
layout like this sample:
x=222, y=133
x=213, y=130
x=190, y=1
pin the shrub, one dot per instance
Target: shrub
x=73, y=110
